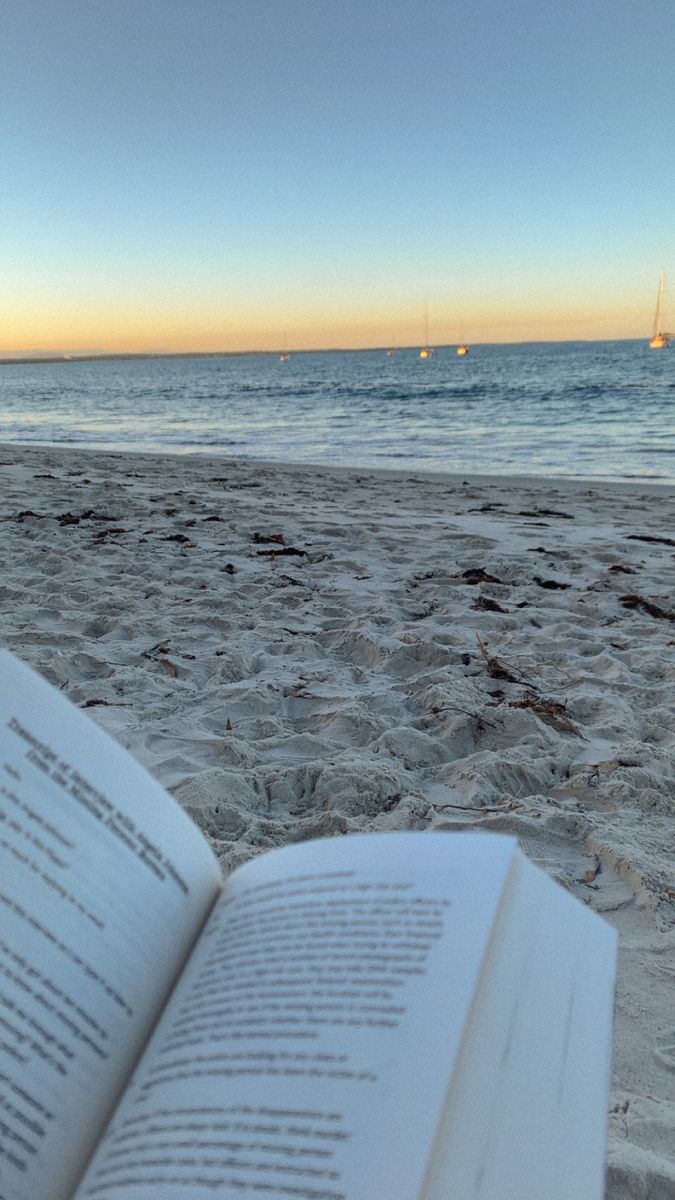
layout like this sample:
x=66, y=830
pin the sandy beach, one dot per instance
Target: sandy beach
x=296, y=652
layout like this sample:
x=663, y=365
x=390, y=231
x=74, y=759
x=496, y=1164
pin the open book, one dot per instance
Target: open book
x=397, y=1016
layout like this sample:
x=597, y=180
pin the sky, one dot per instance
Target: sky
x=204, y=175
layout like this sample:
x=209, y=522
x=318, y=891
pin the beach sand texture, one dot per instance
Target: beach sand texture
x=297, y=652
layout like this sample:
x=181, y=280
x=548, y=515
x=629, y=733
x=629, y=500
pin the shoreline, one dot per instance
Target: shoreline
x=392, y=474
x=354, y=649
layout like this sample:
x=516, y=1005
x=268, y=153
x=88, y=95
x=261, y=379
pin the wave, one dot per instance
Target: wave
x=562, y=410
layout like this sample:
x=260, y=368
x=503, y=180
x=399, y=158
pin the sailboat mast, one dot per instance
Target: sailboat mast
x=658, y=319
x=660, y=340
x=426, y=351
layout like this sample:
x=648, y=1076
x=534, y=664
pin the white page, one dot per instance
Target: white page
x=559, y=1061
x=94, y=925
x=527, y=1115
x=308, y=1047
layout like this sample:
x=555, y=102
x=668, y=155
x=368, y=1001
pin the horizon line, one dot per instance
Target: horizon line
x=116, y=355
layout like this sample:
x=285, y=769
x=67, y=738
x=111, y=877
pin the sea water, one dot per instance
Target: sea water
x=596, y=410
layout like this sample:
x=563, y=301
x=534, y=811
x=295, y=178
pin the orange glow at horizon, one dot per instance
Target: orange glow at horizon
x=126, y=327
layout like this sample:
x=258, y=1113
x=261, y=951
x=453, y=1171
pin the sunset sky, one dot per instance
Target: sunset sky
x=218, y=174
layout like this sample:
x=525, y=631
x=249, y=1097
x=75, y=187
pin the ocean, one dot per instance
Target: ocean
x=594, y=410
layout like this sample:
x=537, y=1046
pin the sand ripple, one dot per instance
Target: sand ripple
x=298, y=654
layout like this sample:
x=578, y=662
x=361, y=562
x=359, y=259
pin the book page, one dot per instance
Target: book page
x=546, y=1004
x=306, y=1052
x=104, y=884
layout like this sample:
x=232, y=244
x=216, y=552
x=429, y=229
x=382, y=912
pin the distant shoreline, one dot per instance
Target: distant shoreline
x=124, y=356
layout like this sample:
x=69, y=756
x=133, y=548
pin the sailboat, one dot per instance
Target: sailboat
x=462, y=348
x=660, y=340
x=426, y=351
x=284, y=356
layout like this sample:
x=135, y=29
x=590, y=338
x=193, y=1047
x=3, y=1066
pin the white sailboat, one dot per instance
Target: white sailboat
x=426, y=351
x=660, y=340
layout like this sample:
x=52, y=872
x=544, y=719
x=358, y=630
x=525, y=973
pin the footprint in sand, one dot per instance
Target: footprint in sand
x=664, y=1050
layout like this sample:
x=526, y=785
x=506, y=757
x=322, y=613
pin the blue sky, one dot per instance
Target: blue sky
x=206, y=174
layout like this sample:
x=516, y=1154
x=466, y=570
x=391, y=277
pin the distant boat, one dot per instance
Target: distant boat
x=462, y=348
x=426, y=351
x=660, y=339
x=284, y=356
